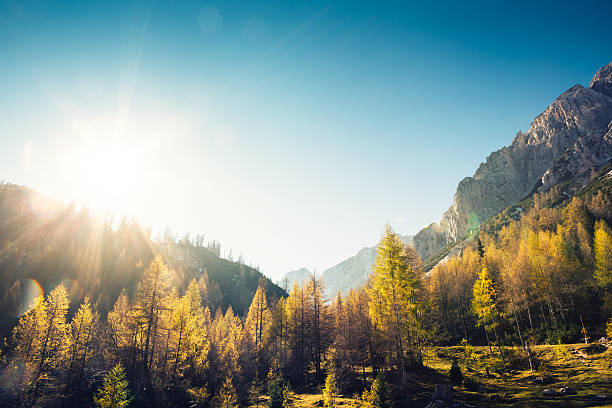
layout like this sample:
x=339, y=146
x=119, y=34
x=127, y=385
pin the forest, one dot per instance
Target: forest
x=544, y=277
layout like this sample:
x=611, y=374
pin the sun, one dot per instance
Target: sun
x=107, y=176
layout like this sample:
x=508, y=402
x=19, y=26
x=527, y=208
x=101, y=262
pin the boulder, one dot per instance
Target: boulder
x=566, y=391
x=549, y=392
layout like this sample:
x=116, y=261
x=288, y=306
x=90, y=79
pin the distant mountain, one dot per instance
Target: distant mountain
x=299, y=276
x=570, y=140
x=352, y=272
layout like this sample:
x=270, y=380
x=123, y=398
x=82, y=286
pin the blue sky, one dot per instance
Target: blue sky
x=289, y=131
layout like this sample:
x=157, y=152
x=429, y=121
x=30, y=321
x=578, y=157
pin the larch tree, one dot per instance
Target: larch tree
x=484, y=303
x=55, y=335
x=150, y=303
x=258, y=320
x=603, y=260
x=82, y=331
x=394, y=303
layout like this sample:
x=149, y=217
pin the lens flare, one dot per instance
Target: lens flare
x=30, y=290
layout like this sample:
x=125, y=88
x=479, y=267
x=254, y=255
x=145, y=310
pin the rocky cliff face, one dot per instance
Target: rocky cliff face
x=570, y=138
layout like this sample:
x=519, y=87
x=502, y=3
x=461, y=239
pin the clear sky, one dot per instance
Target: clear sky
x=290, y=131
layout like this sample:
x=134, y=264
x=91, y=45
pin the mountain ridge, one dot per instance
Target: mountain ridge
x=580, y=117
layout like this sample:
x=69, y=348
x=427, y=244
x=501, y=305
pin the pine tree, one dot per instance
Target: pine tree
x=114, y=392
x=331, y=389
x=378, y=396
x=276, y=387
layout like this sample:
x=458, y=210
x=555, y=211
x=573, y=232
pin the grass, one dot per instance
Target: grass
x=587, y=369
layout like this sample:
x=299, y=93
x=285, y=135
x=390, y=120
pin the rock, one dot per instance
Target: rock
x=544, y=380
x=568, y=140
x=549, y=392
x=566, y=391
x=602, y=81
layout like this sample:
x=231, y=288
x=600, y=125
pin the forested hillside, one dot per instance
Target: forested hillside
x=44, y=243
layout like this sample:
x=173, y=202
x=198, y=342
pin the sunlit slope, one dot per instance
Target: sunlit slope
x=43, y=243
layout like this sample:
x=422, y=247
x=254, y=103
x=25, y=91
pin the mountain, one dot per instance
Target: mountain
x=300, y=276
x=352, y=272
x=570, y=140
x=44, y=243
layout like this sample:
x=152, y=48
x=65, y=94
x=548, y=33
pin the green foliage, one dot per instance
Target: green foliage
x=379, y=393
x=276, y=391
x=114, y=392
x=470, y=357
x=331, y=389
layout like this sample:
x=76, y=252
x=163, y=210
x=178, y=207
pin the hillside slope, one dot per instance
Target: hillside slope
x=44, y=243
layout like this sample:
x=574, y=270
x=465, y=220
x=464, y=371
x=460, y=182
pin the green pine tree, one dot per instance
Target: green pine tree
x=114, y=393
x=331, y=389
x=380, y=395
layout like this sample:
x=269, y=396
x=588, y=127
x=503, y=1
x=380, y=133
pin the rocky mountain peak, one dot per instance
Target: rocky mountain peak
x=602, y=81
x=575, y=123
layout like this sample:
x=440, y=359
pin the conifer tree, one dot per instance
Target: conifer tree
x=227, y=396
x=114, y=392
x=151, y=298
x=82, y=331
x=394, y=306
x=258, y=320
x=55, y=339
x=331, y=389
x=485, y=304
x=603, y=260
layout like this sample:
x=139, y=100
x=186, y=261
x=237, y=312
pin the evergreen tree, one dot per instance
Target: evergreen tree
x=331, y=389
x=114, y=392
